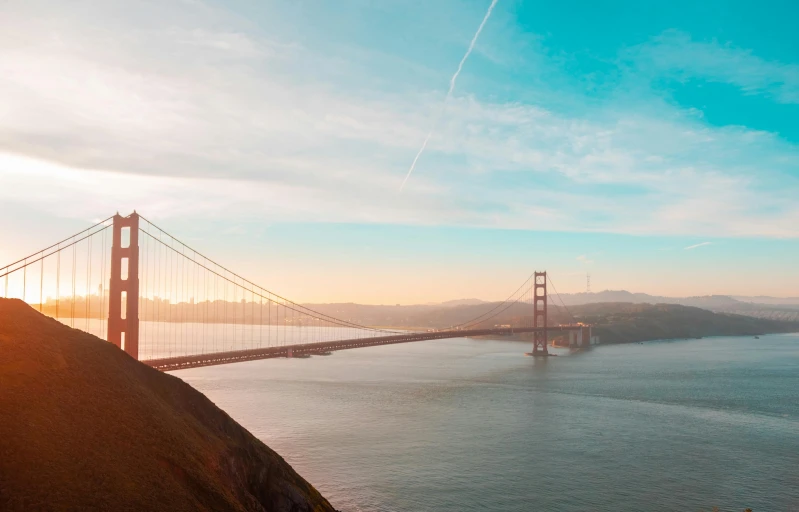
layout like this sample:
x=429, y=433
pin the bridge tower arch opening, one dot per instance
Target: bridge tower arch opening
x=540, y=314
x=123, y=326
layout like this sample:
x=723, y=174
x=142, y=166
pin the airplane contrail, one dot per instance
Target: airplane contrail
x=449, y=92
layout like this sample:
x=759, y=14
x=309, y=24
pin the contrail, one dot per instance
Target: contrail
x=690, y=247
x=449, y=92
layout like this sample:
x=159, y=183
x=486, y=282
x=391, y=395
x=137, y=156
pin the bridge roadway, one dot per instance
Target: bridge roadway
x=216, y=358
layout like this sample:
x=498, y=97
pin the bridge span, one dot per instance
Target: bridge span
x=146, y=273
x=302, y=349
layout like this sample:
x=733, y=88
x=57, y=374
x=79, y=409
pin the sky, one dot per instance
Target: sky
x=653, y=145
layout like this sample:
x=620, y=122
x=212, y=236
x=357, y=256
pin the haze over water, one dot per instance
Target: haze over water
x=463, y=424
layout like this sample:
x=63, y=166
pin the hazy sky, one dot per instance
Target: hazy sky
x=652, y=144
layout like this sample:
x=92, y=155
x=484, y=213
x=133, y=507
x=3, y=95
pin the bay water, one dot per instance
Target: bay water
x=474, y=425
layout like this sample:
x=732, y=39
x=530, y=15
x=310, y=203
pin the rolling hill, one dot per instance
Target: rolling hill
x=83, y=426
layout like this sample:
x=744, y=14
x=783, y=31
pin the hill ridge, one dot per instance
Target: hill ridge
x=86, y=427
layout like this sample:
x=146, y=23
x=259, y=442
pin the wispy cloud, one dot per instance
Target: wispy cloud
x=126, y=117
x=584, y=259
x=691, y=247
x=449, y=92
x=675, y=52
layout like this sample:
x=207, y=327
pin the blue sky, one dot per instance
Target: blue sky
x=580, y=137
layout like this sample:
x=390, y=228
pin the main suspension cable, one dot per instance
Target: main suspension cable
x=300, y=308
x=480, y=318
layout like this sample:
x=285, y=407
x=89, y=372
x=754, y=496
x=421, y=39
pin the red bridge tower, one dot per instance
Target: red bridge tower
x=540, y=314
x=123, y=326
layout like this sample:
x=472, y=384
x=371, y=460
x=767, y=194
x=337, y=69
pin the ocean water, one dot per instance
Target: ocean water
x=461, y=424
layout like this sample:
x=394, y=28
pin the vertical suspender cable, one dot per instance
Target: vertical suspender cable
x=250, y=341
x=205, y=310
x=168, y=330
x=57, y=281
x=182, y=305
x=193, y=304
x=41, y=285
x=205, y=317
x=143, y=297
x=142, y=272
x=185, y=305
x=269, y=320
x=157, y=296
x=233, y=313
x=261, y=324
x=88, y=284
x=165, y=301
x=181, y=265
x=216, y=313
x=150, y=305
x=74, y=266
x=224, y=323
x=102, y=289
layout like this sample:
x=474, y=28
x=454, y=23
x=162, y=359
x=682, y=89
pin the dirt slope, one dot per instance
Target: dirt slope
x=85, y=427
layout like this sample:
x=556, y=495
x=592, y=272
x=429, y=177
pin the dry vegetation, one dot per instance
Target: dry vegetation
x=85, y=427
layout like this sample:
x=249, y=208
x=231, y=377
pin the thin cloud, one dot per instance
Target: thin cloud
x=584, y=259
x=449, y=92
x=255, y=138
x=676, y=52
x=691, y=247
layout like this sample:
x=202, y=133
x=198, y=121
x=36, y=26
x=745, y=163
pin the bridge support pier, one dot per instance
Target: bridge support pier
x=123, y=324
x=586, y=335
x=540, y=314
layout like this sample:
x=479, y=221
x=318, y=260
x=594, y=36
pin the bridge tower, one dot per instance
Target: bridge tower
x=123, y=325
x=540, y=314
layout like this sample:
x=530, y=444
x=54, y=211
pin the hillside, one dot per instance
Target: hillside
x=427, y=316
x=626, y=322
x=773, y=308
x=706, y=302
x=763, y=299
x=85, y=427
x=618, y=322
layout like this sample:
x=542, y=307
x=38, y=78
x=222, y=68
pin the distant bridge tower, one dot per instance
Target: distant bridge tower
x=123, y=326
x=540, y=314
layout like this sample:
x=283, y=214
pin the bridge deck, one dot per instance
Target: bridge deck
x=194, y=361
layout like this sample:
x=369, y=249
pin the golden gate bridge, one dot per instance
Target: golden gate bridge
x=171, y=307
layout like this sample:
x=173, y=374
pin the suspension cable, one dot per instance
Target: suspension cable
x=285, y=305
x=561, y=299
x=480, y=319
x=29, y=263
x=55, y=244
x=301, y=309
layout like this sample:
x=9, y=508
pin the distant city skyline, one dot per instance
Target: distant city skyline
x=653, y=146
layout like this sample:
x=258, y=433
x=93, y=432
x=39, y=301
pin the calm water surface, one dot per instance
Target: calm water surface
x=455, y=425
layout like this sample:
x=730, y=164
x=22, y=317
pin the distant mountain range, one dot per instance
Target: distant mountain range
x=457, y=302
x=773, y=308
x=762, y=299
x=458, y=312
x=765, y=307
x=706, y=301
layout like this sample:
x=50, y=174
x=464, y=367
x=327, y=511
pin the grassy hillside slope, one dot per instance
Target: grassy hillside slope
x=85, y=427
x=626, y=323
